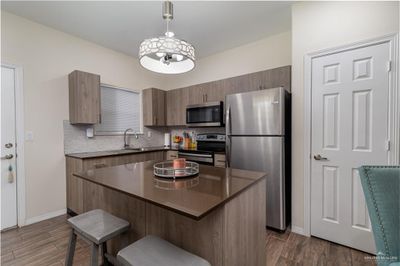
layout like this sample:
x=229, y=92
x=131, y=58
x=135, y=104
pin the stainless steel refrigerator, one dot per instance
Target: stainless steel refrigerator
x=258, y=138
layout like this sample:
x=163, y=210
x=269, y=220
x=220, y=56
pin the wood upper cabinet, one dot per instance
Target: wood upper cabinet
x=215, y=91
x=197, y=93
x=207, y=92
x=84, y=98
x=153, y=101
x=178, y=99
x=176, y=102
x=277, y=77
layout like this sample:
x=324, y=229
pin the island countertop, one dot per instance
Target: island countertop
x=193, y=197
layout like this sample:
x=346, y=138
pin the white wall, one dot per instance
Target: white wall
x=271, y=52
x=47, y=57
x=320, y=25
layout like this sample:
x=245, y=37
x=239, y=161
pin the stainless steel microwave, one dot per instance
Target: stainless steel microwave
x=209, y=114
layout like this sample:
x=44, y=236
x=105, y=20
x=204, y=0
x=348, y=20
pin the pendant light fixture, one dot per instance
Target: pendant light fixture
x=167, y=54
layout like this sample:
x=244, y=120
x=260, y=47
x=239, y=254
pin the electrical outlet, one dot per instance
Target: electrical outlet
x=149, y=134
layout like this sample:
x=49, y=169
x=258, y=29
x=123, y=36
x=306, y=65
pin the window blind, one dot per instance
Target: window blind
x=120, y=109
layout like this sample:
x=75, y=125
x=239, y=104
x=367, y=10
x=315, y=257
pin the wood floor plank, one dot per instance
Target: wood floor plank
x=6, y=257
x=45, y=244
x=338, y=255
x=274, y=249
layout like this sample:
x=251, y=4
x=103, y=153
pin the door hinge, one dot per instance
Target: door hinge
x=387, y=145
x=389, y=66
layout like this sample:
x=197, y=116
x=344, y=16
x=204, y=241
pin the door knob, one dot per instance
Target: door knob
x=7, y=157
x=318, y=157
x=8, y=145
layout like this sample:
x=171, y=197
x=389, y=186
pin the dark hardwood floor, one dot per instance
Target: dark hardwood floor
x=45, y=243
x=293, y=249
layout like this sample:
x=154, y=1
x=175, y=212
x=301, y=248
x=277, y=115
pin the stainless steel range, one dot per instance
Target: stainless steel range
x=207, y=145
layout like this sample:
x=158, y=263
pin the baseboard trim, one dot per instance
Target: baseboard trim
x=45, y=216
x=298, y=230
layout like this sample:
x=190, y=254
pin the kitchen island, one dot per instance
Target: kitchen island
x=218, y=215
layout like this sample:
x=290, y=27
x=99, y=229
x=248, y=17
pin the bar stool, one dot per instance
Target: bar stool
x=96, y=227
x=154, y=251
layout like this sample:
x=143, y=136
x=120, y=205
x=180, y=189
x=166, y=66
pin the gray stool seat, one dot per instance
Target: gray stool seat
x=98, y=226
x=154, y=251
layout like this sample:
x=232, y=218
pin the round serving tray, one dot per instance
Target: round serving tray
x=175, y=184
x=166, y=170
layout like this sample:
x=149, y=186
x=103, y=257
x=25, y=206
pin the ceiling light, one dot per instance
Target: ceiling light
x=167, y=54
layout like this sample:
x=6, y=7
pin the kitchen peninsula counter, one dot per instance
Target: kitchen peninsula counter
x=218, y=215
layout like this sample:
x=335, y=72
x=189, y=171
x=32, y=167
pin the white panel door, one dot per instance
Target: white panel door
x=8, y=160
x=349, y=129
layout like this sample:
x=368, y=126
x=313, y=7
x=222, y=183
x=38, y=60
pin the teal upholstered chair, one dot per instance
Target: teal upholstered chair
x=381, y=185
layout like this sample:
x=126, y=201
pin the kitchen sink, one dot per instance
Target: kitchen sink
x=134, y=149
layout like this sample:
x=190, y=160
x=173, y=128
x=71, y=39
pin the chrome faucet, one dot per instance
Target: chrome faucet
x=126, y=145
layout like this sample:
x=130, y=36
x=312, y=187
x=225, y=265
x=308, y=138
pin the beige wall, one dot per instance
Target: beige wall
x=47, y=56
x=320, y=25
x=271, y=52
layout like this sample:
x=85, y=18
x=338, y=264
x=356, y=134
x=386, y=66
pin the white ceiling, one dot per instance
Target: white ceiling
x=210, y=26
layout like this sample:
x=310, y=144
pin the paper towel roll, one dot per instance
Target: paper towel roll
x=167, y=140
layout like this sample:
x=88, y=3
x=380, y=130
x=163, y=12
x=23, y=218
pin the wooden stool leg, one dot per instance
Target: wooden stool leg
x=71, y=249
x=94, y=256
x=103, y=254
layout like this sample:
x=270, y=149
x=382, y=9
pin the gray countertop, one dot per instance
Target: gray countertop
x=87, y=155
x=96, y=154
x=194, y=197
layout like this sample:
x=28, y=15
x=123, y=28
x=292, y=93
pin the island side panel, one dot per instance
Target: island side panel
x=244, y=228
x=74, y=185
x=121, y=205
x=203, y=238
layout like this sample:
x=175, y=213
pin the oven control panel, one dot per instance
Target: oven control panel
x=211, y=137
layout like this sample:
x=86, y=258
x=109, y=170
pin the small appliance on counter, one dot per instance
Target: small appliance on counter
x=167, y=140
x=207, y=145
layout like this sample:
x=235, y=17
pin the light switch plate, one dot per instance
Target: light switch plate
x=29, y=135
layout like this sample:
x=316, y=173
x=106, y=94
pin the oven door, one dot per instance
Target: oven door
x=202, y=158
x=205, y=115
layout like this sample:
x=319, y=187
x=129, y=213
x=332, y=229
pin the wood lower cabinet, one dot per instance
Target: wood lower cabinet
x=219, y=160
x=84, y=98
x=74, y=165
x=171, y=155
x=153, y=101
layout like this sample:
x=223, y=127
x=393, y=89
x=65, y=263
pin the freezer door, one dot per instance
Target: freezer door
x=264, y=154
x=256, y=113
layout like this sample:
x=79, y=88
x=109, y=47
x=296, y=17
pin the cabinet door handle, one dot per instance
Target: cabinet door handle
x=99, y=165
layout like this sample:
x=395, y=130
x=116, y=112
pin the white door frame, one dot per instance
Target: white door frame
x=20, y=140
x=394, y=111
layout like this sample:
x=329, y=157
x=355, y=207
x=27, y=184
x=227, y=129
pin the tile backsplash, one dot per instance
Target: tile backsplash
x=75, y=139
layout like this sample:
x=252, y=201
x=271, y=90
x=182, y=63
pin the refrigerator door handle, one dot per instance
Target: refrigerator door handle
x=228, y=121
x=228, y=133
x=228, y=151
